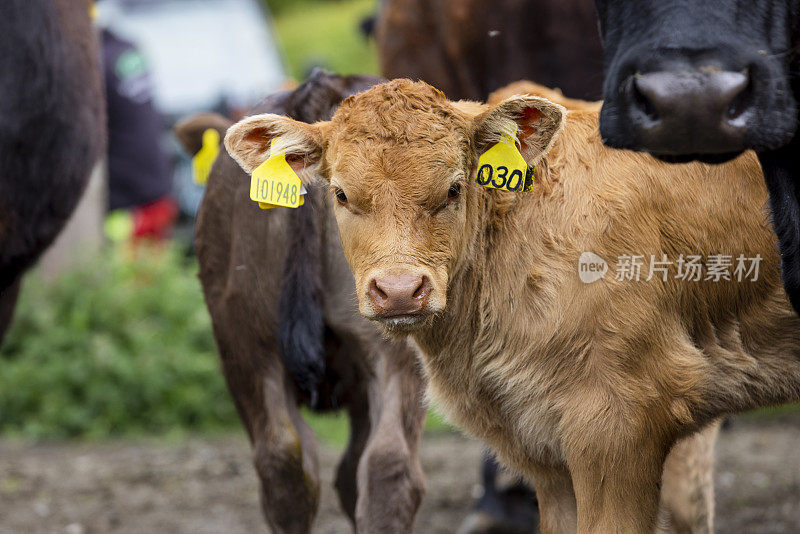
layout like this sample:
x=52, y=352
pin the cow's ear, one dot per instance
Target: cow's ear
x=249, y=141
x=536, y=120
x=189, y=131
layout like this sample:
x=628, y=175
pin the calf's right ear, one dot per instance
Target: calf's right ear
x=249, y=142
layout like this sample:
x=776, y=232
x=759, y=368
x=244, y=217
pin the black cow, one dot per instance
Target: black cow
x=706, y=80
x=52, y=126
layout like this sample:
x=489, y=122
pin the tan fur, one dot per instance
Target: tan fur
x=585, y=388
x=687, y=494
x=525, y=87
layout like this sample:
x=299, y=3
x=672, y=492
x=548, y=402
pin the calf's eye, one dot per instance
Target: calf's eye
x=454, y=192
x=340, y=196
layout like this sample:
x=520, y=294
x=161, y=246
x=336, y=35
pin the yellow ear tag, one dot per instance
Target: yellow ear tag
x=204, y=159
x=503, y=167
x=274, y=183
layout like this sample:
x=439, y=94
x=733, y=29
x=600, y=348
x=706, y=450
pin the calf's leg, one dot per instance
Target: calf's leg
x=557, y=506
x=390, y=478
x=346, y=474
x=687, y=490
x=285, y=456
x=617, y=487
x=284, y=447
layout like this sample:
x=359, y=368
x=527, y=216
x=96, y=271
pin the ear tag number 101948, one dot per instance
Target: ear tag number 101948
x=274, y=183
x=503, y=167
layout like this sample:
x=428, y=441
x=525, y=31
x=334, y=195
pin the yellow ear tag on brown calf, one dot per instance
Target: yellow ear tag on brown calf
x=274, y=183
x=503, y=167
x=204, y=159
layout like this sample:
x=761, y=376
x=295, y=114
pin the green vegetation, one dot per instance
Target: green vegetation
x=333, y=428
x=325, y=33
x=120, y=347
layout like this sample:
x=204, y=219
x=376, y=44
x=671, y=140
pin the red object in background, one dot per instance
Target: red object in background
x=154, y=220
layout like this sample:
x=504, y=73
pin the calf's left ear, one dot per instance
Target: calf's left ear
x=536, y=121
x=249, y=141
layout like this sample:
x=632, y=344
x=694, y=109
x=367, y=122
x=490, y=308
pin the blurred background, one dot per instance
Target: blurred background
x=114, y=415
x=110, y=385
x=114, y=340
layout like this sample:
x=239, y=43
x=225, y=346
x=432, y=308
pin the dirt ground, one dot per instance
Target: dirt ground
x=208, y=486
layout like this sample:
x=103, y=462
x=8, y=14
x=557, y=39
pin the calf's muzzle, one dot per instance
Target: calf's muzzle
x=399, y=294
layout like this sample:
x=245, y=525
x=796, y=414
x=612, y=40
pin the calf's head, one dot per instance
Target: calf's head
x=401, y=162
x=692, y=79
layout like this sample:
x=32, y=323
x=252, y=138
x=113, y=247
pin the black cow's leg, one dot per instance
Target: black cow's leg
x=782, y=175
x=510, y=510
x=8, y=298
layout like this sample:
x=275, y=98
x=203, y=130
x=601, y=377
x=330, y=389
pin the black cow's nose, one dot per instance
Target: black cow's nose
x=692, y=110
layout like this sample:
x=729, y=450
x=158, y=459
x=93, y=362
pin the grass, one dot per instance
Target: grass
x=326, y=34
x=334, y=428
x=121, y=347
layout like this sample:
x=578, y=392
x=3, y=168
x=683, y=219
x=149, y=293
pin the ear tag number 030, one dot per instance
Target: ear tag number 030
x=503, y=167
x=274, y=183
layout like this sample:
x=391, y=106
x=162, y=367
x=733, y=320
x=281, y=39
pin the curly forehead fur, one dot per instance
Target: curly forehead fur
x=400, y=111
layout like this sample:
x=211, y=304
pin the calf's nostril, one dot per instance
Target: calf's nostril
x=423, y=290
x=376, y=292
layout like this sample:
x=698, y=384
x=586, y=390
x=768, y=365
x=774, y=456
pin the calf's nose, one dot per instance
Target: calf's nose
x=690, y=111
x=400, y=294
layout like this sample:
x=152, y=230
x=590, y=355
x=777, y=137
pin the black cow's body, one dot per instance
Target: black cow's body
x=51, y=128
x=692, y=79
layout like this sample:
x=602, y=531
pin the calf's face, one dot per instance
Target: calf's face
x=401, y=161
x=699, y=79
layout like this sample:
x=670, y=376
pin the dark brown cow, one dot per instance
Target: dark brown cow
x=282, y=302
x=51, y=131
x=469, y=48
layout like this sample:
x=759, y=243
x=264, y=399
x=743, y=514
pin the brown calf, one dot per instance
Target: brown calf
x=269, y=277
x=584, y=387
